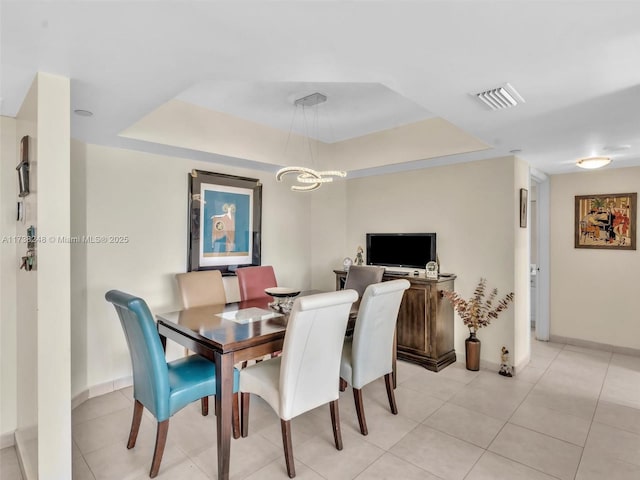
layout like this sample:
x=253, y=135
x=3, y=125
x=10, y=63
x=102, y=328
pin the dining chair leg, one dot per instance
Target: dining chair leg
x=236, y=416
x=161, y=441
x=285, y=426
x=388, y=381
x=135, y=424
x=245, y=413
x=335, y=422
x=343, y=384
x=204, y=404
x=357, y=396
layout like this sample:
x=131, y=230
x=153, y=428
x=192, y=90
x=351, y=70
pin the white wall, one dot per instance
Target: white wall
x=8, y=335
x=78, y=255
x=473, y=209
x=327, y=224
x=41, y=300
x=53, y=276
x=520, y=351
x=26, y=282
x=594, y=293
x=144, y=197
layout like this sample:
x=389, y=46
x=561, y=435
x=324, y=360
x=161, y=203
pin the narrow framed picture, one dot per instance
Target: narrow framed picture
x=225, y=221
x=606, y=221
x=23, y=167
x=524, y=199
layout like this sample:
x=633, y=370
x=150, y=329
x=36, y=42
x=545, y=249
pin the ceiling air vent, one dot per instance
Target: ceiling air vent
x=500, y=97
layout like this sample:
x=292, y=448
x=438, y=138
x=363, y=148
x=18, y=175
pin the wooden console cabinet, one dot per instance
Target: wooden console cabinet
x=425, y=321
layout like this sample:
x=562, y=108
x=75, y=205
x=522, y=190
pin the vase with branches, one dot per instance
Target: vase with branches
x=477, y=312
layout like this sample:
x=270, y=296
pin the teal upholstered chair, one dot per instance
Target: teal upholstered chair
x=160, y=387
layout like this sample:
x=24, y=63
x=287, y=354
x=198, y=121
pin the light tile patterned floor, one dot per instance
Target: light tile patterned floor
x=572, y=414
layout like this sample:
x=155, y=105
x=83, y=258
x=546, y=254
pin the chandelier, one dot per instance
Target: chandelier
x=308, y=178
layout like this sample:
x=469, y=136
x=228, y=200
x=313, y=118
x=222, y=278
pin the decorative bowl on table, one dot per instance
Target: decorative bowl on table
x=282, y=298
x=281, y=292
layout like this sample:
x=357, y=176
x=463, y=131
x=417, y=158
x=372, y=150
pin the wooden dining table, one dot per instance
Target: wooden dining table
x=226, y=334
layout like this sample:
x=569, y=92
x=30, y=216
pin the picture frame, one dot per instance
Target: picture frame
x=606, y=221
x=23, y=167
x=524, y=200
x=225, y=221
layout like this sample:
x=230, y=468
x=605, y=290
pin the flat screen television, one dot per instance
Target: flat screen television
x=409, y=250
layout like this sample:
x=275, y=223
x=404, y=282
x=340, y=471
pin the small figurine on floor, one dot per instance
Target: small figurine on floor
x=505, y=368
x=359, y=260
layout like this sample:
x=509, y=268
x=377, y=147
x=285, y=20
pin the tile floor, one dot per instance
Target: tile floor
x=573, y=413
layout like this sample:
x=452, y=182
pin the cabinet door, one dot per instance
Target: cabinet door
x=413, y=332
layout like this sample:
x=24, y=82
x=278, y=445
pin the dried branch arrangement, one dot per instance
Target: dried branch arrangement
x=478, y=311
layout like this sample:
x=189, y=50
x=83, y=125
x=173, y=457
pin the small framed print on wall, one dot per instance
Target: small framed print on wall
x=23, y=167
x=606, y=221
x=524, y=198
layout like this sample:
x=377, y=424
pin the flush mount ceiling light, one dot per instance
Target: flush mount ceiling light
x=593, y=162
x=309, y=178
x=499, y=98
x=83, y=113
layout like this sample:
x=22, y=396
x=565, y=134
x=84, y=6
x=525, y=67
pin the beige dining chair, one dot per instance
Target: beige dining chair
x=203, y=287
x=306, y=375
x=200, y=288
x=359, y=277
x=368, y=355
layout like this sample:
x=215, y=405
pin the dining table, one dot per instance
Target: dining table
x=228, y=334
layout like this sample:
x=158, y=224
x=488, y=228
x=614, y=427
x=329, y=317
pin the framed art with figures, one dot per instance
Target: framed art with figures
x=606, y=221
x=225, y=220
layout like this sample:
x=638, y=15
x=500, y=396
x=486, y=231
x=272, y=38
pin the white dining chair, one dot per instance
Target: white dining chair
x=306, y=375
x=368, y=355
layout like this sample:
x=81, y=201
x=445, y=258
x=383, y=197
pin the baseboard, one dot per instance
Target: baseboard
x=577, y=342
x=124, y=382
x=26, y=440
x=7, y=440
x=521, y=365
x=27, y=452
x=79, y=399
x=101, y=389
x=495, y=367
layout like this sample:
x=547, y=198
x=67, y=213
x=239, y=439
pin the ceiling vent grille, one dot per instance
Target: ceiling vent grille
x=501, y=97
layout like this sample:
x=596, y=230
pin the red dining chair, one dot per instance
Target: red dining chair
x=253, y=280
